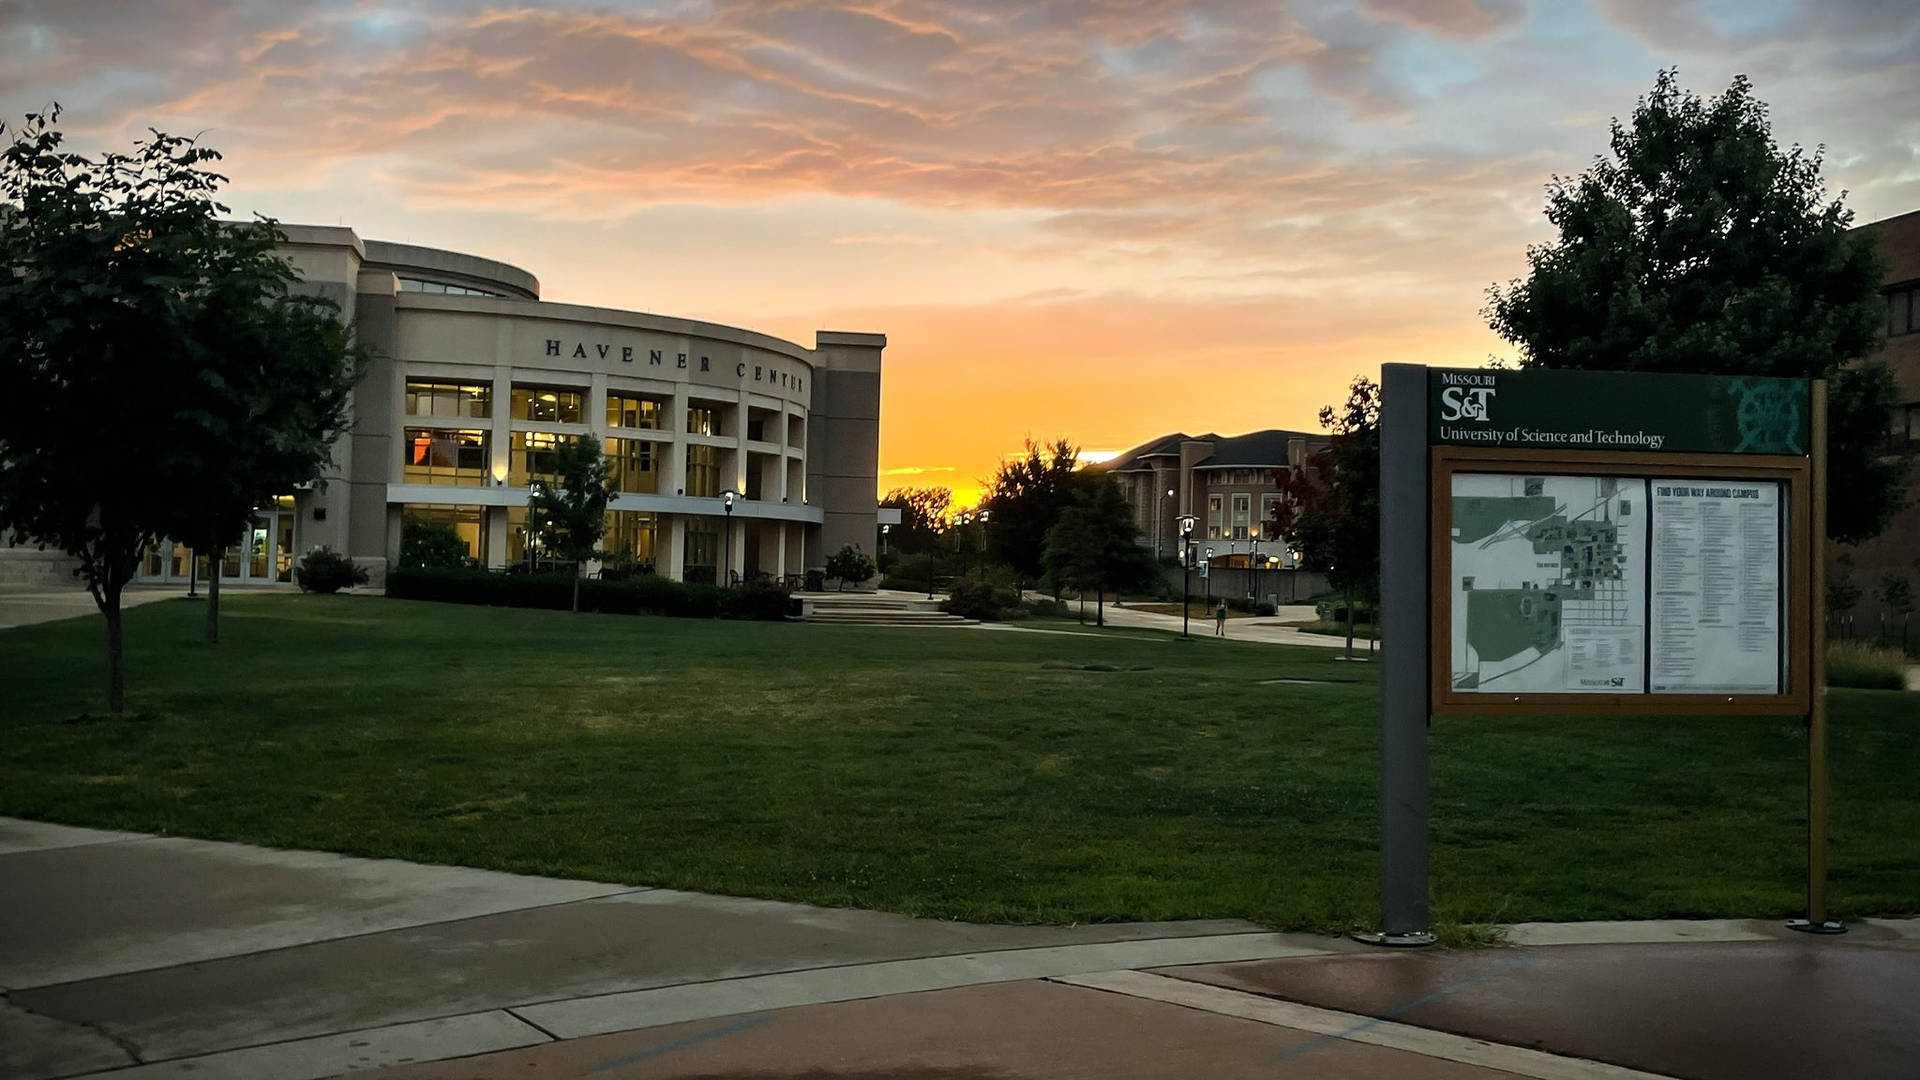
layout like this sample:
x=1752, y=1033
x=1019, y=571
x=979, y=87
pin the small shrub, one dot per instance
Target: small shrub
x=327, y=571
x=972, y=598
x=1864, y=666
x=1048, y=608
x=850, y=565
x=816, y=581
x=428, y=545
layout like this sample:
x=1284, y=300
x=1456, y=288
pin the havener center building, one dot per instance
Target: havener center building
x=474, y=382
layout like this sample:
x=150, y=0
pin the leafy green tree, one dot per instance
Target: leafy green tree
x=849, y=564
x=276, y=369
x=1095, y=544
x=1700, y=246
x=567, y=513
x=1331, y=514
x=923, y=517
x=136, y=330
x=1026, y=498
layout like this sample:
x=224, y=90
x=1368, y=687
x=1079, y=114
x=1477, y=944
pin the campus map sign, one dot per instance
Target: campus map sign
x=1556, y=544
x=1601, y=533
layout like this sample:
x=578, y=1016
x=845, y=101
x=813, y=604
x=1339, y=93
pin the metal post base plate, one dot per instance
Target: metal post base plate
x=1831, y=926
x=1405, y=939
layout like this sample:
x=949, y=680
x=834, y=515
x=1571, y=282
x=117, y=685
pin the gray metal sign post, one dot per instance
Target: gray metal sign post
x=1404, y=648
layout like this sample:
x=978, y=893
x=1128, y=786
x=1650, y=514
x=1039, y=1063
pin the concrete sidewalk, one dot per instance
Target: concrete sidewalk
x=1265, y=630
x=181, y=957
x=133, y=957
x=26, y=607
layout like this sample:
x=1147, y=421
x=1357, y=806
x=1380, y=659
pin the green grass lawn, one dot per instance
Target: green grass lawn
x=943, y=772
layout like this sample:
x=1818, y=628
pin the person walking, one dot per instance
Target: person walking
x=1220, y=620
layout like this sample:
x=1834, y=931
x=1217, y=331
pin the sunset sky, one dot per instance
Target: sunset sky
x=1102, y=220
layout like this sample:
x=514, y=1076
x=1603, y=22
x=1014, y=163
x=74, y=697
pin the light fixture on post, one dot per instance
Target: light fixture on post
x=726, y=502
x=959, y=534
x=1186, y=566
x=1206, y=583
x=1156, y=534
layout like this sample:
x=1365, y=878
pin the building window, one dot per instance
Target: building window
x=1903, y=311
x=702, y=556
x=466, y=522
x=1215, y=516
x=445, y=456
x=635, y=465
x=531, y=457
x=463, y=401
x=703, y=420
x=634, y=411
x=630, y=537
x=421, y=285
x=1269, y=503
x=1242, y=511
x=703, y=472
x=548, y=404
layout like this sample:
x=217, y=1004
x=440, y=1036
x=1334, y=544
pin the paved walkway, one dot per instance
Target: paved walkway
x=1269, y=631
x=133, y=957
x=24, y=607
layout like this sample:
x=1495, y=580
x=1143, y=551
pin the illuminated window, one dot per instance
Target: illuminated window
x=634, y=411
x=465, y=521
x=445, y=456
x=635, y=465
x=548, y=404
x=531, y=456
x=463, y=401
x=1215, y=516
x=1242, y=511
x=703, y=420
x=630, y=536
x=703, y=472
x=702, y=557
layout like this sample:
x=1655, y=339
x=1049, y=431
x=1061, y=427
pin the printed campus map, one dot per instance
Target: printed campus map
x=1548, y=575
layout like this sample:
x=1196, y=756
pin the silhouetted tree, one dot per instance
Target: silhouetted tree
x=1701, y=246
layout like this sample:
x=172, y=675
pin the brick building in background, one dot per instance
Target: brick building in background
x=1897, y=550
x=1226, y=482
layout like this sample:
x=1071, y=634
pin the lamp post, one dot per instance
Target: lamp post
x=959, y=534
x=1206, y=583
x=884, y=530
x=1186, y=566
x=932, y=546
x=1253, y=565
x=984, y=516
x=726, y=501
x=1157, y=532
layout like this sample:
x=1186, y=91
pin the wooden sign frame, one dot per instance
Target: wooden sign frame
x=1793, y=473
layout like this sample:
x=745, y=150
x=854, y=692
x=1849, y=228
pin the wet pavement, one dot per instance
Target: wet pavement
x=1792, y=1009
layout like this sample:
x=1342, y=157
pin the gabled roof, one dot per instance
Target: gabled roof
x=1262, y=449
x=1164, y=446
x=1267, y=449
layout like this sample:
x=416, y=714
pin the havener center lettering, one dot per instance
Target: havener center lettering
x=760, y=373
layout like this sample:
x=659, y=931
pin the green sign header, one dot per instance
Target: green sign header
x=1540, y=409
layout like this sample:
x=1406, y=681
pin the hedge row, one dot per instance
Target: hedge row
x=645, y=594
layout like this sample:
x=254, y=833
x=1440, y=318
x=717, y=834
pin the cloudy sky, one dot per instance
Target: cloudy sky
x=1105, y=219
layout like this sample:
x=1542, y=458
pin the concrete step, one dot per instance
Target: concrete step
x=898, y=618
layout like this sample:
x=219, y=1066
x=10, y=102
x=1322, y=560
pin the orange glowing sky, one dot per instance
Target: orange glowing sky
x=1103, y=219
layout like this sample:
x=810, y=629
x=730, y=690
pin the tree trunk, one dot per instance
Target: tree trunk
x=109, y=603
x=213, y=597
x=1100, y=606
x=576, y=588
x=1349, y=596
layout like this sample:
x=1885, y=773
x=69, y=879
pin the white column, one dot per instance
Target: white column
x=736, y=540
x=673, y=566
x=780, y=548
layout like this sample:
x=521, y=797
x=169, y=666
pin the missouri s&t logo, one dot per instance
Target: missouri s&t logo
x=1465, y=403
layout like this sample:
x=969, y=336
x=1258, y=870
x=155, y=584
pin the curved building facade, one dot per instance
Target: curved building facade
x=475, y=380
